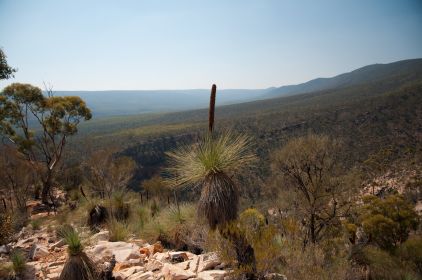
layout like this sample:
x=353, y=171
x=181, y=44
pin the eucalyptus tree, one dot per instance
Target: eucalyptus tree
x=39, y=125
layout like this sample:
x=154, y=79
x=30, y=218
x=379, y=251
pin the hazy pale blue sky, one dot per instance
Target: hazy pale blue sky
x=100, y=44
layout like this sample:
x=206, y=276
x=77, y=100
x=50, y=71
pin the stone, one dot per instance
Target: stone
x=172, y=272
x=121, y=250
x=37, y=252
x=152, y=249
x=176, y=257
x=183, y=265
x=53, y=276
x=208, y=261
x=4, y=249
x=153, y=265
x=162, y=257
x=141, y=276
x=101, y=236
x=125, y=273
x=58, y=244
x=212, y=275
x=26, y=242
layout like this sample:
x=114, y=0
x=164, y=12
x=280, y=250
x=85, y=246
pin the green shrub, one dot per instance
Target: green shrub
x=382, y=265
x=410, y=252
x=36, y=224
x=18, y=261
x=62, y=230
x=387, y=221
x=71, y=237
x=119, y=231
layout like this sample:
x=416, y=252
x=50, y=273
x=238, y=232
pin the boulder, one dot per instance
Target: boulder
x=212, y=275
x=100, y=236
x=153, y=265
x=162, y=257
x=4, y=249
x=150, y=250
x=172, y=272
x=176, y=257
x=37, y=252
x=125, y=273
x=24, y=243
x=141, y=276
x=208, y=261
x=121, y=250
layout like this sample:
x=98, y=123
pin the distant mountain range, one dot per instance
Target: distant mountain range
x=123, y=102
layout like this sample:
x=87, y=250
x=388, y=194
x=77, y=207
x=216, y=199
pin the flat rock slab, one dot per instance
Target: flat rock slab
x=121, y=250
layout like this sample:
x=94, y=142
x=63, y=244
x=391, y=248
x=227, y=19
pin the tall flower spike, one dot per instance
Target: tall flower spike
x=212, y=108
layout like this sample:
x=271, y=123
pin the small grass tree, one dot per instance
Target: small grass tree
x=210, y=164
x=78, y=264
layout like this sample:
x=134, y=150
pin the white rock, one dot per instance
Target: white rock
x=101, y=236
x=58, y=244
x=4, y=249
x=212, y=275
x=153, y=265
x=208, y=261
x=37, y=252
x=25, y=242
x=121, y=250
x=141, y=276
x=172, y=272
x=162, y=257
x=131, y=270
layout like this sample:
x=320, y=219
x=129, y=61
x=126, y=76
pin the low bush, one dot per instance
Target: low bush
x=18, y=262
x=119, y=231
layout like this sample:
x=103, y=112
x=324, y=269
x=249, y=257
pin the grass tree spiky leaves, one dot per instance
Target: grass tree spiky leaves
x=210, y=164
x=78, y=264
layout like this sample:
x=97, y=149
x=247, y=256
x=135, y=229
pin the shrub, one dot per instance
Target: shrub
x=18, y=261
x=78, y=264
x=73, y=241
x=36, y=224
x=120, y=209
x=388, y=221
x=410, y=252
x=382, y=265
x=119, y=231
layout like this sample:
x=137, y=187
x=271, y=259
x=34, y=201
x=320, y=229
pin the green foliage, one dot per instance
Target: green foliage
x=57, y=117
x=71, y=237
x=228, y=153
x=388, y=221
x=382, y=264
x=306, y=169
x=18, y=261
x=6, y=72
x=36, y=224
x=119, y=231
x=410, y=252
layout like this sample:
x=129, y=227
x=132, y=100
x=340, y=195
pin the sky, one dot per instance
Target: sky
x=189, y=44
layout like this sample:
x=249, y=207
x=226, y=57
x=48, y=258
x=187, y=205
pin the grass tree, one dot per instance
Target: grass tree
x=78, y=264
x=211, y=164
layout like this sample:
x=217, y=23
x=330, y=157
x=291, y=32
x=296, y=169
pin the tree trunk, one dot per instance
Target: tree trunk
x=45, y=193
x=312, y=229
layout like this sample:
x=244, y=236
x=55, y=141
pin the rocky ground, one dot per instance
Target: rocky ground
x=134, y=259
